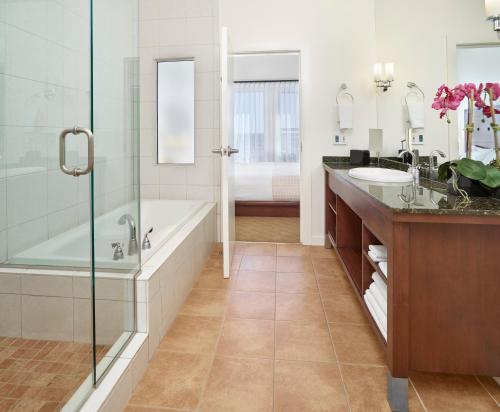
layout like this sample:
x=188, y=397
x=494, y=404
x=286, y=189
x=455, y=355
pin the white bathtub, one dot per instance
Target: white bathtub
x=72, y=248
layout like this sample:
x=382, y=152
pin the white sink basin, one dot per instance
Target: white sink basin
x=375, y=174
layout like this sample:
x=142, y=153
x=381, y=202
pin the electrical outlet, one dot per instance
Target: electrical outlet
x=418, y=139
x=339, y=140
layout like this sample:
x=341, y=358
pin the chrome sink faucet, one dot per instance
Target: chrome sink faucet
x=413, y=169
x=432, y=166
x=133, y=246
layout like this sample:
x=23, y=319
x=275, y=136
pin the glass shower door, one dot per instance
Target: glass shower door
x=115, y=195
x=45, y=214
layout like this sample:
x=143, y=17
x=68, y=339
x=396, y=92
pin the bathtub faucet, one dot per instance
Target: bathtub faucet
x=133, y=246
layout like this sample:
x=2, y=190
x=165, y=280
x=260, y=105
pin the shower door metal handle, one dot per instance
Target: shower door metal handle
x=62, y=151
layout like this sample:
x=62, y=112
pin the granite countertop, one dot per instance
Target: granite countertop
x=429, y=197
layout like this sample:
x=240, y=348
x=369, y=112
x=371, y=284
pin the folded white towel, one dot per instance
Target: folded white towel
x=382, y=317
x=375, y=315
x=379, y=250
x=383, y=268
x=375, y=257
x=379, y=298
x=380, y=283
x=416, y=113
x=345, y=115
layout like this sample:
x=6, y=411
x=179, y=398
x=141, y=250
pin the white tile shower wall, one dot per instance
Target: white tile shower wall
x=38, y=304
x=44, y=87
x=177, y=29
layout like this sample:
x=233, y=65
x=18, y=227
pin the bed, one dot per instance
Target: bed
x=267, y=189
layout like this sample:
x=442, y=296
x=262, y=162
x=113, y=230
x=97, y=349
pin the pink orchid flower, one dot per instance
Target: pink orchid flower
x=495, y=88
x=471, y=91
x=446, y=99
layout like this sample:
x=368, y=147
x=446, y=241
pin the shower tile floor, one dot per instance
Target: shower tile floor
x=285, y=333
x=40, y=375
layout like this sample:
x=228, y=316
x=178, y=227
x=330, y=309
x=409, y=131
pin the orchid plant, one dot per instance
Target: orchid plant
x=482, y=97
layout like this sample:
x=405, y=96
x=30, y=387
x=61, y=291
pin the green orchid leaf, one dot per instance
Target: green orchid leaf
x=492, y=179
x=472, y=169
x=444, y=171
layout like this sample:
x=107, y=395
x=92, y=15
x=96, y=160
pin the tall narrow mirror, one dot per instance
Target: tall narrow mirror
x=175, y=111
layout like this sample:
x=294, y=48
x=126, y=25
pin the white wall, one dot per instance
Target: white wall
x=268, y=66
x=176, y=29
x=336, y=43
x=420, y=37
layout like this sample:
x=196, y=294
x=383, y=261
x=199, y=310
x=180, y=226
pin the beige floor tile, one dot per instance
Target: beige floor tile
x=147, y=409
x=447, y=393
x=491, y=386
x=366, y=387
x=334, y=284
x=251, y=305
x=247, y=338
x=323, y=266
x=296, y=283
x=214, y=263
x=258, y=263
x=304, y=341
x=414, y=403
x=308, y=386
x=299, y=307
x=256, y=281
x=321, y=252
x=239, y=385
x=192, y=334
x=357, y=344
x=201, y=302
x=294, y=264
x=172, y=380
x=214, y=279
x=343, y=309
x=292, y=249
x=259, y=249
x=235, y=265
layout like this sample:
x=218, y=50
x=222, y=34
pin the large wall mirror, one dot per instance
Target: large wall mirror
x=175, y=111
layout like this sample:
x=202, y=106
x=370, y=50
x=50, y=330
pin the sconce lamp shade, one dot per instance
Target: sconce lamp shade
x=377, y=72
x=389, y=72
x=492, y=8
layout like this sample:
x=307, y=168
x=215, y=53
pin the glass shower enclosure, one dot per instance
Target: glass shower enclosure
x=69, y=201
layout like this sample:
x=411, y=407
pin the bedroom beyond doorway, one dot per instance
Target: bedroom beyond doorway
x=266, y=127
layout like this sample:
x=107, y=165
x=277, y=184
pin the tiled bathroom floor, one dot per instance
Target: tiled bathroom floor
x=39, y=375
x=285, y=333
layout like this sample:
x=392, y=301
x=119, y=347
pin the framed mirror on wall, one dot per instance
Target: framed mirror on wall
x=175, y=96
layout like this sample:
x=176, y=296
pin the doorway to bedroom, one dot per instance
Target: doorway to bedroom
x=266, y=127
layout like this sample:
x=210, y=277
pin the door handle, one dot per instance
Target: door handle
x=231, y=151
x=62, y=151
x=220, y=151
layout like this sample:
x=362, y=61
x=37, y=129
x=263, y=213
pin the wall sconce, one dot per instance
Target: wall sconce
x=493, y=14
x=384, y=80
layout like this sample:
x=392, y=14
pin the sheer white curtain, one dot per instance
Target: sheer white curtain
x=266, y=121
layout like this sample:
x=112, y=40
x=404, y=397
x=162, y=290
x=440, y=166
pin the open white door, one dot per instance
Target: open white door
x=227, y=153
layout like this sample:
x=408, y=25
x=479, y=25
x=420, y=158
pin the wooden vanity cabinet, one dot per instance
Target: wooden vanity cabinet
x=443, y=296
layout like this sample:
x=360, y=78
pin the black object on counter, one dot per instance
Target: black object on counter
x=360, y=157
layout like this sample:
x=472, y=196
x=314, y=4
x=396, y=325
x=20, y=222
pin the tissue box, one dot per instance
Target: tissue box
x=360, y=157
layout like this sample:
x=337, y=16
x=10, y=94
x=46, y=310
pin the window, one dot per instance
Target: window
x=266, y=121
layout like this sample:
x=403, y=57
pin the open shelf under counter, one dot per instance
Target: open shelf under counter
x=351, y=259
x=374, y=266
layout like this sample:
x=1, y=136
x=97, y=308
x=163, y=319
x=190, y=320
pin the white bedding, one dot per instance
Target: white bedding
x=267, y=181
